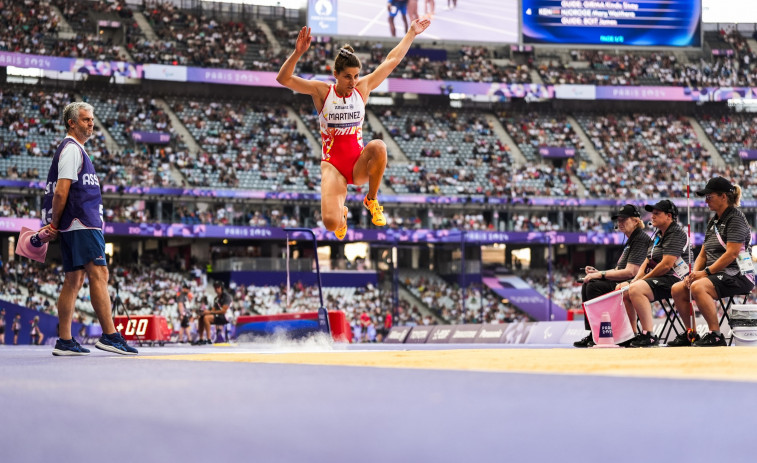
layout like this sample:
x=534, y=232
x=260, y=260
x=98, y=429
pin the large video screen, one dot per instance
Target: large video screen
x=491, y=21
x=729, y=11
x=670, y=23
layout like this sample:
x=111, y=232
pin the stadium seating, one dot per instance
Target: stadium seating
x=448, y=151
x=445, y=300
x=25, y=27
x=31, y=130
x=245, y=145
x=666, y=145
x=196, y=40
x=134, y=164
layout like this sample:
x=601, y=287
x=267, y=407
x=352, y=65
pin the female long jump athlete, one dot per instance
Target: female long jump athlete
x=341, y=110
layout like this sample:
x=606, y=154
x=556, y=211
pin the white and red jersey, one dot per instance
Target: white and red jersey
x=341, y=122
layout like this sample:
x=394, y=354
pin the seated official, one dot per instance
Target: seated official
x=597, y=283
x=215, y=316
x=723, y=267
x=666, y=264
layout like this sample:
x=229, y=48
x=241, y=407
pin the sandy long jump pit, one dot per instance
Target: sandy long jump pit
x=721, y=363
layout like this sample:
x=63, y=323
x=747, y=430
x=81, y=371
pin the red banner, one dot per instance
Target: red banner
x=147, y=327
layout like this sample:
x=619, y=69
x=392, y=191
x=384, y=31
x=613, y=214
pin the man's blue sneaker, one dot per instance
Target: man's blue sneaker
x=70, y=347
x=115, y=343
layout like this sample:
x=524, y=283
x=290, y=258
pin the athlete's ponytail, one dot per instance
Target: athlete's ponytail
x=346, y=58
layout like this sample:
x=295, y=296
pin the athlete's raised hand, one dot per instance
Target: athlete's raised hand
x=419, y=25
x=303, y=41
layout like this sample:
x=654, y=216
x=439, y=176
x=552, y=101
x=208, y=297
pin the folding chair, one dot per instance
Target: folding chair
x=671, y=317
x=726, y=306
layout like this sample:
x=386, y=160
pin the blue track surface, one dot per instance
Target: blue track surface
x=104, y=407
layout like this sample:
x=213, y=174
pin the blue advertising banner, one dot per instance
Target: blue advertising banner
x=465, y=334
x=419, y=334
x=491, y=334
x=440, y=334
x=86, y=66
x=403, y=199
x=155, y=138
x=177, y=230
x=525, y=298
x=556, y=152
x=398, y=334
x=748, y=155
x=547, y=332
x=573, y=332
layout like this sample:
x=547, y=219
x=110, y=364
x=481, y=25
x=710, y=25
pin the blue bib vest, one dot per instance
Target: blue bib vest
x=84, y=203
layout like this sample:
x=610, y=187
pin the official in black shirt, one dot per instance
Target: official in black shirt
x=724, y=265
x=599, y=282
x=666, y=264
x=215, y=316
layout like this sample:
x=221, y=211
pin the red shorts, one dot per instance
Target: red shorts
x=343, y=154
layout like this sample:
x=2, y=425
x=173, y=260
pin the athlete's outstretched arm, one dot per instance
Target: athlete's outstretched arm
x=394, y=57
x=286, y=75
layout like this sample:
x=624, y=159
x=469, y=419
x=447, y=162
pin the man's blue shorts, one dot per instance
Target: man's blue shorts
x=80, y=247
x=397, y=6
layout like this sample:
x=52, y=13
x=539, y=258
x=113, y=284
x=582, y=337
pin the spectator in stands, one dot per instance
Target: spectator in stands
x=16, y=327
x=185, y=324
x=723, y=267
x=666, y=264
x=182, y=301
x=216, y=315
x=73, y=212
x=2, y=326
x=35, y=332
x=388, y=319
x=365, y=323
x=344, y=159
x=597, y=283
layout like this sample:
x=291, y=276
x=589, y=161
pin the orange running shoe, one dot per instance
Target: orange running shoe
x=341, y=232
x=376, y=210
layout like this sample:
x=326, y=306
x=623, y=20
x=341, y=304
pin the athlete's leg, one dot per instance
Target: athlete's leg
x=333, y=195
x=370, y=167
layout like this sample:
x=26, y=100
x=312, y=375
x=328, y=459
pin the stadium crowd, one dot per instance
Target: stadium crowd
x=665, y=144
x=446, y=300
x=733, y=65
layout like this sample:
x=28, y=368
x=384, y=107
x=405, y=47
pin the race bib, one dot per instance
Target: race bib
x=681, y=268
